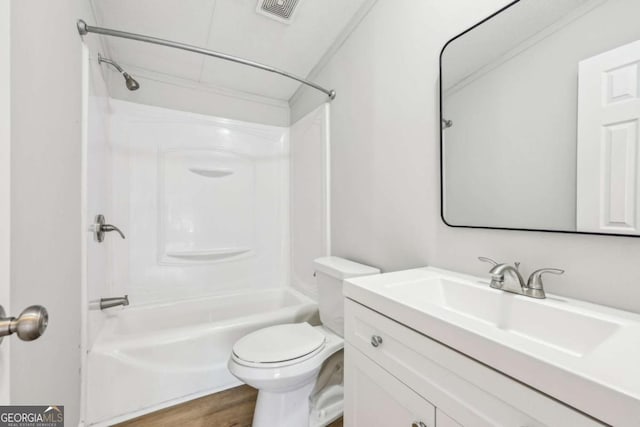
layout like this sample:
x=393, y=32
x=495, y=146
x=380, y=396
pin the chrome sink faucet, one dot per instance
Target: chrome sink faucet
x=505, y=274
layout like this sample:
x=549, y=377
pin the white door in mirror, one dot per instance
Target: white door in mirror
x=608, y=178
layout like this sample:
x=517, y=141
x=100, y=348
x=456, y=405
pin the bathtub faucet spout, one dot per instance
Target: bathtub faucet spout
x=114, y=302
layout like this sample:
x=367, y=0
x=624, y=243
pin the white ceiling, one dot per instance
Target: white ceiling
x=229, y=26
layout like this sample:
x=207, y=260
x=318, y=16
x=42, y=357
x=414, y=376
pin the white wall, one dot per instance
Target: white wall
x=385, y=163
x=5, y=188
x=165, y=91
x=511, y=155
x=46, y=111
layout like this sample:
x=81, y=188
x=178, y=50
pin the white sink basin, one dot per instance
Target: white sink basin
x=557, y=326
x=583, y=354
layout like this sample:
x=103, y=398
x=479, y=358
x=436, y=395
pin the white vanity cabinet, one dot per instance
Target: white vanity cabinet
x=395, y=376
x=377, y=398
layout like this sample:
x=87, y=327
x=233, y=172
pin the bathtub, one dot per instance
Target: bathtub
x=150, y=357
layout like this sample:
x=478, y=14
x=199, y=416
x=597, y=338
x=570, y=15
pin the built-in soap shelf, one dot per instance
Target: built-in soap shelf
x=208, y=255
x=211, y=173
x=206, y=207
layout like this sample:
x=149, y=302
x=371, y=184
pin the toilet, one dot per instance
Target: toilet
x=284, y=361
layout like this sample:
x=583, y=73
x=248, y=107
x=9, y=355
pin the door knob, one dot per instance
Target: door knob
x=29, y=326
x=99, y=228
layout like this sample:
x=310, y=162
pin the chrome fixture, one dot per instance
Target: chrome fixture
x=99, y=228
x=535, y=286
x=446, y=124
x=114, y=302
x=505, y=274
x=502, y=274
x=376, y=340
x=418, y=424
x=85, y=29
x=131, y=83
x=30, y=325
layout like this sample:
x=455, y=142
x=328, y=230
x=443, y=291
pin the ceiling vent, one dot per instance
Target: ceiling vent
x=280, y=10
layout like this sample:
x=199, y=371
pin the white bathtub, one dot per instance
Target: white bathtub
x=150, y=357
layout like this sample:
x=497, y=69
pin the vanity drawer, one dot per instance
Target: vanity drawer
x=470, y=393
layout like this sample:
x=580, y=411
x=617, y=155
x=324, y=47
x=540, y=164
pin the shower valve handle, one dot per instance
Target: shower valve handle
x=99, y=228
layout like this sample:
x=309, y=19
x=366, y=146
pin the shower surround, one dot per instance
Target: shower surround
x=205, y=204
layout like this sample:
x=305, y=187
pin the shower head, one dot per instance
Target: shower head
x=130, y=82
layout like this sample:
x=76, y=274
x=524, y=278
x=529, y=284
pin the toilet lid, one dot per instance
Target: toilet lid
x=279, y=343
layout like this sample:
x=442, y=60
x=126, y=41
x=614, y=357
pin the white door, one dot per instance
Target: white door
x=5, y=175
x=608, y=181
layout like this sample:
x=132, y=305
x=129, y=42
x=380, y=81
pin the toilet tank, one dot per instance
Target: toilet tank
x=330, y=272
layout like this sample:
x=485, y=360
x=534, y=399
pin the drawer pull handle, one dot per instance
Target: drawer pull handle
x=376, y=341
x=418, y=424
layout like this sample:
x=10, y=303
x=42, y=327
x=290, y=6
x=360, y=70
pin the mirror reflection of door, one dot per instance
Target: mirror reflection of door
x=608, y=198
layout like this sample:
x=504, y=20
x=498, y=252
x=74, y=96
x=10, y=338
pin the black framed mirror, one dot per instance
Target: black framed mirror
x=540, y=119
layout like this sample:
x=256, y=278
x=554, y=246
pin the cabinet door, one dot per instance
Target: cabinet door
x=374, y=398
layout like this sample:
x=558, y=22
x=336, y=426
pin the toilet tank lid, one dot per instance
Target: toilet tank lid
x=341, y=268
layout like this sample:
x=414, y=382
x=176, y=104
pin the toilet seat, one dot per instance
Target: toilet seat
x=279, y=345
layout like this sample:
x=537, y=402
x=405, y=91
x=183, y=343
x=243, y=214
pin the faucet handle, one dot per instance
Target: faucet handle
x=489, y=260
x=535, y=280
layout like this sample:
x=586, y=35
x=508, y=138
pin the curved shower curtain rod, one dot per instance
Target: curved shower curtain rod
x=84, y=29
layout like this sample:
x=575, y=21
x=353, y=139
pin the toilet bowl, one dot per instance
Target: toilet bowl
x=283, y=361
